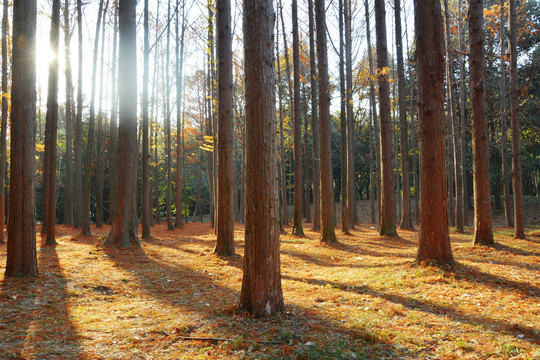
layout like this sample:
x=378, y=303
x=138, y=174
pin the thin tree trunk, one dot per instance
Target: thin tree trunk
x=297, y=128
x=51, y=129
x=225, y=224
x=434, y=243
x=113, y=149
x=99, y=155
x=145, y=203
x=504, y=127
x=343, y=126
x=168, y=203
x=314, y=123
x=307, y=179
x=90, y=141
x=406, y=222
x=124, y=228
x=372, y=194
x=514, y=116
x=483, y=232
x=178, y=223
x=3, y=133
x=284, y=215
x=387, y=226
x=351, y=184
x=68, y=197
x=328, y=234
x=463, y=119
x=21, y=247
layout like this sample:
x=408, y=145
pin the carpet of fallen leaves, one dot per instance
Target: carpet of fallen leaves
x=362, y=298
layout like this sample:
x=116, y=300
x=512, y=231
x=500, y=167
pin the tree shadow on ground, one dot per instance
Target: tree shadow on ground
x=432, y=307
x=41, y=319
x=203, y=299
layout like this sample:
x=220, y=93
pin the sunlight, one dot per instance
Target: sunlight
x=44, y=53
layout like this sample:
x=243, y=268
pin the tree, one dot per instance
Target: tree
x=283, y=179
x=261, y=291
x=462, y=116
x=328, y=234
x=124, y=227
x=68, y=201
x=343, y=126
x=3, y=133
x=514, y=115
x=179, y=123
x=483, y=232
x=406, y=222
x=145, y=206
x=113, y=146
x=51, y=127
x=504, y=126
x=91, y=125
x=351, y=186
x=314, y=123
x=386, y=222
x=297, y=130
x=434, y=241
x=168, y=203
x=225, y=224
x=21, y=247
x=78, y=124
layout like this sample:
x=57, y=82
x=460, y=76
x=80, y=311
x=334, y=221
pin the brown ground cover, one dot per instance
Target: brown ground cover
x=363, y=298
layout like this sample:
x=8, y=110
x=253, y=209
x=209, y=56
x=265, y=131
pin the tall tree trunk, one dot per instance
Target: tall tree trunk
x=406, y=222
x=78, y=124
x=284, y=216
x=68, y=197
x=343, y=126
x=387, y=226
x=90, y=141
x=373, y=105
x=261, y=291
x=124, y=228
x=145, y=203
x=453, y=124
x=113, y=144
x=434, y=241
x=514, y=116
x=99, y=155
x=504, y=126
x=307, y=180
x=372, y=194
x=51, y=129
x=328, y=235
x=179, y=114
x=351, y=184
x=3, y=133
x=314, y=123
x=154, y=133
x=21, y=247
x=483, y=232
x=225, y=225
x=168, y=203
x=463, y=119
x=297, y=128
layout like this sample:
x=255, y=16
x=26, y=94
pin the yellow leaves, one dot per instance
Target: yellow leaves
x=40, y=147
x=208, y=144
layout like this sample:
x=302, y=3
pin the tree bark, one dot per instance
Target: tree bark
x=124, y=228
x=387, y=226
x=514, y=116
x=284, y=216
x=297, y=128
x=351, y=173
x=483, y=232
x=51, y=129
x=225, y=225
x=261, y=291
x=462, y=109
x=343, y=126
x=314, y=123
x=178, y=223
x=168, y=201
x=4, y=121
x=434, y=243
x=504, y=126
x=145, y=203
x=328, y=234
x=113, y=144
x=90, y=141
x=21, y=247
x=406, y=222
x=68, y=197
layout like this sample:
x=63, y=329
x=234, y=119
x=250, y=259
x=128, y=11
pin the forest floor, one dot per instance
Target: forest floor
x=362, y=298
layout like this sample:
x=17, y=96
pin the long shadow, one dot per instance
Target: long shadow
x=201, y=294
x=328, y=263
x=358, y=249
x=514, y=251
x=531, y=267
x=35, y=314
x=434, y=308
x=475, y=275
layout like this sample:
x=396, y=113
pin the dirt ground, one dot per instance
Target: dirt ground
x=362, y=298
